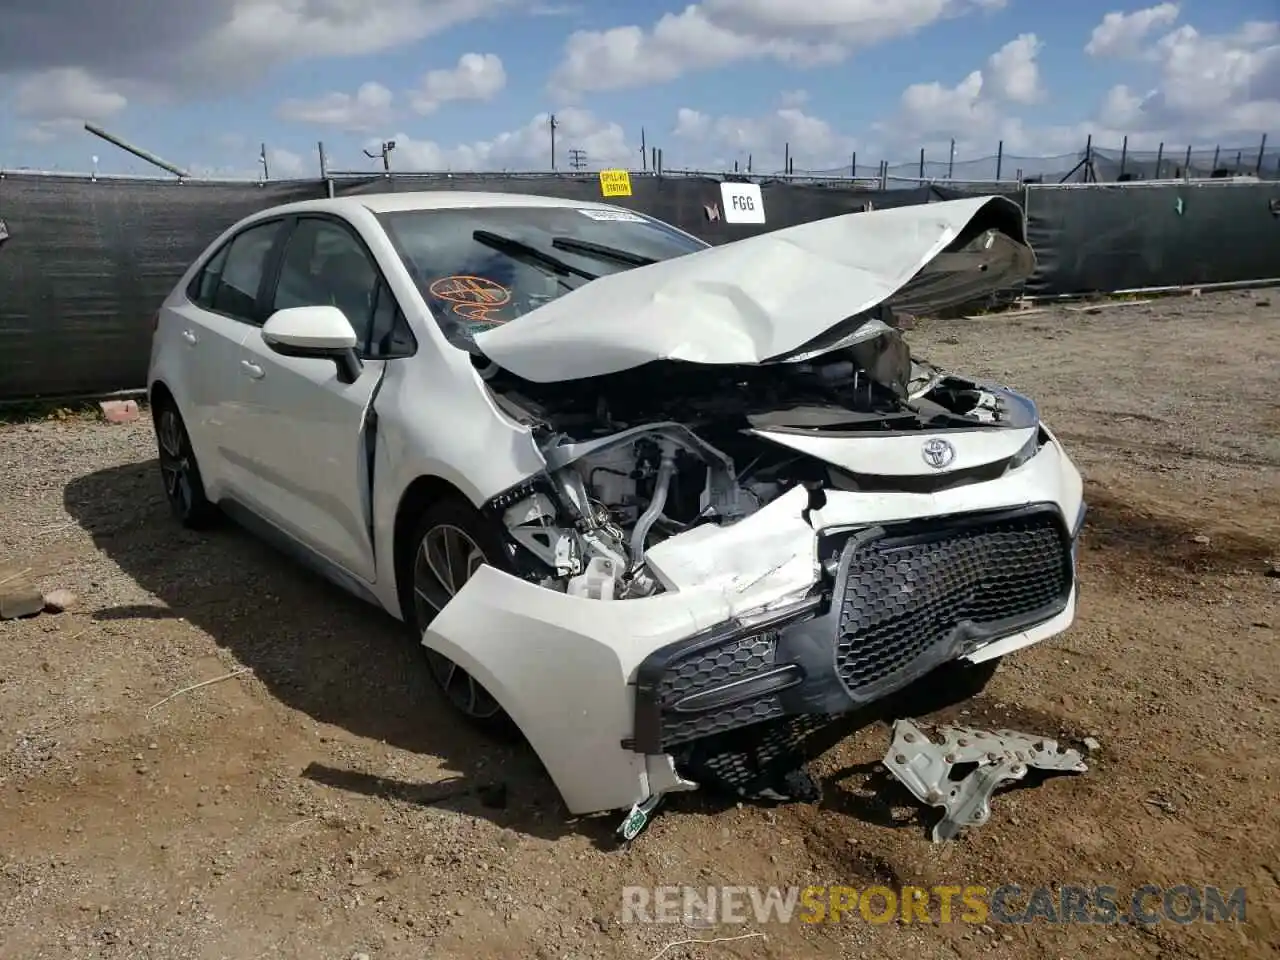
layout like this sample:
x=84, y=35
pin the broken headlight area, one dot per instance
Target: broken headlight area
x=584, y=527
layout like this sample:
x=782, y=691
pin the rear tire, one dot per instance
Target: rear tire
x=183, y=486
x=450, y=541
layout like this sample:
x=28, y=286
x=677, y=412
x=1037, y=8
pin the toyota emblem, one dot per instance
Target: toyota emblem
x=938, y=453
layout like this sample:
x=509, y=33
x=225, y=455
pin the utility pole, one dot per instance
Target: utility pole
x=387, y=147
x=644, y=156
x=262, y=158
x=551, y=122
x=578, y=159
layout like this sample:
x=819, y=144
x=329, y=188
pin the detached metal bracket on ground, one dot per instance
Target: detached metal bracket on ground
x=925, y=768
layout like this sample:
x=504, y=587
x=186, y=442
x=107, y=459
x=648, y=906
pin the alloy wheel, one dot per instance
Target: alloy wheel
x=446, y=559
x=175, y=463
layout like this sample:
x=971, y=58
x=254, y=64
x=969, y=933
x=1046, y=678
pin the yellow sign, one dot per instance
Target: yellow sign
x=615, y=183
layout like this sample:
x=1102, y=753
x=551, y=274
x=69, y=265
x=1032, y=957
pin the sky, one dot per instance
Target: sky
x=471, y=84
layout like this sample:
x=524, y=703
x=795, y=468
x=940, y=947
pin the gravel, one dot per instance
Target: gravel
x=324, y=803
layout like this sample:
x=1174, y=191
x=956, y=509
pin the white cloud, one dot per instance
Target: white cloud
x=182, y=49
x=66, y=93
x=717, y=32
x=369, y=108
x=1014, y=71
x=285, y=164
x=1206, y=86
x=1198, y=88
x=525, y=148
x=268, y=31
x=1121, y=34
x=972, y=112
x=478, y=76
x=1121, y=109
x=793, y=98
x=708, y=142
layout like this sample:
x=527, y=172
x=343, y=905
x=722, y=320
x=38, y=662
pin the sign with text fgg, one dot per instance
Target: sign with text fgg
x=615, y=183
x=742, y=202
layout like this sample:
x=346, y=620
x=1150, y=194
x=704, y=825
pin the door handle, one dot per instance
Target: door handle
x=190, y=337
x=252, y=370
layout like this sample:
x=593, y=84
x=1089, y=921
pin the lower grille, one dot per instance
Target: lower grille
x=765, y=761
x=712, y=668
x=905, y=593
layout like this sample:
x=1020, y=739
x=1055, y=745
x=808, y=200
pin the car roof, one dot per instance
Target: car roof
x=432, y=200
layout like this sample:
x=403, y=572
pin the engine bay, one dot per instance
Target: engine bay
x=637, y=457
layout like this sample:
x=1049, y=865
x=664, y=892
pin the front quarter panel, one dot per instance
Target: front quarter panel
x=435, y=419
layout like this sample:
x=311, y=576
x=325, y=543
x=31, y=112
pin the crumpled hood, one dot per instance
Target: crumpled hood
x=765, y=297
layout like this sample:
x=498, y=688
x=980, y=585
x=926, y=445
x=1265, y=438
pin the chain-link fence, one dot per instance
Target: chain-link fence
x=1092, y=163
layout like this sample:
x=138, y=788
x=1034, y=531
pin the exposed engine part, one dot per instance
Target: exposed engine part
x=636, y=457
x=666, y=469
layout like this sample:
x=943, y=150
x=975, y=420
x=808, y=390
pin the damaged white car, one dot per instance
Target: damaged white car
x=665, y=507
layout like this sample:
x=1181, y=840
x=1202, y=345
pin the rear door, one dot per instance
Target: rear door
x=224, y=304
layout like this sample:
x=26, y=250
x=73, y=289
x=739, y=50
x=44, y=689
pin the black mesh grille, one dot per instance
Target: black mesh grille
x=747, y=762
x=711, y=668
x=903, y=594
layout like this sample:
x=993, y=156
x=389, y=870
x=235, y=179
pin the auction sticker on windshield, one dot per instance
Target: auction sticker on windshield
x=616, y=216
x=473, y=298
x=743, y=202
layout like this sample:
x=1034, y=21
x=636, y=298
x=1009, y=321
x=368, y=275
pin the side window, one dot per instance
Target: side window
x=325, y=265
x=236, y=293
x=206, y=281
x=389, y=335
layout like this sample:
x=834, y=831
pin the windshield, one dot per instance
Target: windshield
x=481, y=267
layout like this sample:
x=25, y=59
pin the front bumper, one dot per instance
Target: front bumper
x=902, y=600
x=619, y=697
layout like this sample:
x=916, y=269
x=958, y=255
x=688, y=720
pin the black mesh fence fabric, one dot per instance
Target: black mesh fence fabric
x=86, y=264
x=1106, y=237
x=691, y=203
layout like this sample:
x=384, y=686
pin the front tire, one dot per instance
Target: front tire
x=451, y=541
x=183, y=486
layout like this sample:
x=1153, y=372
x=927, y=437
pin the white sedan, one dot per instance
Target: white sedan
x=666, y=508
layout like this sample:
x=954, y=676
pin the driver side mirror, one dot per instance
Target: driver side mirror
x=320, y=333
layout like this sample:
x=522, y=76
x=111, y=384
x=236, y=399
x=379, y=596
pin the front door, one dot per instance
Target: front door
x=305, y=429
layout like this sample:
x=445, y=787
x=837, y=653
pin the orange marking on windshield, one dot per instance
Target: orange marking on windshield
x=473, y=298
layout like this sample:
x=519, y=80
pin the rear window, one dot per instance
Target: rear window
x=471, y=286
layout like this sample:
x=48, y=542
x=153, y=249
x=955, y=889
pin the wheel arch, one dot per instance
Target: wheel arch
x=421, y=492
x=159, y=392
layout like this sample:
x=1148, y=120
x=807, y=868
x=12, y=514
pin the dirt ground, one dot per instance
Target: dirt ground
x=324, y=804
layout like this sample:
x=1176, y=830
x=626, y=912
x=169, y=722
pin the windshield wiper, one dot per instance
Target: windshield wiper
x=527, y=253
x=601, y=251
